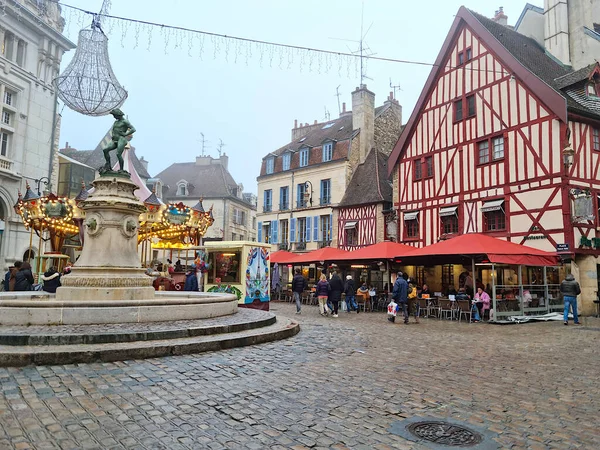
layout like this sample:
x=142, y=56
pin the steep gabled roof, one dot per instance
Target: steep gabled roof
x=523, y=56
x=369, y=183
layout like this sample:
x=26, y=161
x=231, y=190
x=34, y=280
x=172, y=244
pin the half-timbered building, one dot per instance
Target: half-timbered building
x=504, y=139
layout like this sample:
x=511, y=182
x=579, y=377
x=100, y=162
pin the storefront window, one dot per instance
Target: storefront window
x=224, y=266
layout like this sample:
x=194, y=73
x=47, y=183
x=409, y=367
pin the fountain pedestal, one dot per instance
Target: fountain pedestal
x=109, y=266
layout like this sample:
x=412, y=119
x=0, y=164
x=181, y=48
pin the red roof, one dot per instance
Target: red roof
x=478, y=246
x=322, y=254
x=381, y=250
x=281, y=256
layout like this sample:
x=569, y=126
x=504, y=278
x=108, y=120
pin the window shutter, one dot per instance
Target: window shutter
x=308, y=229
x=316, y=228
x=275, y=231
x=329, y=237
x=293, y=229
x=260, y=232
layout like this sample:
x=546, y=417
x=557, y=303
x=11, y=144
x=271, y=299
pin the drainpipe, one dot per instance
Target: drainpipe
x=52, y=137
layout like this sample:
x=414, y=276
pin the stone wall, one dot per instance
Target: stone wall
x=387, y=128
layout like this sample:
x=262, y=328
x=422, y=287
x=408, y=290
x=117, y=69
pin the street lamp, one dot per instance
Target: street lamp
x=307, y=195
x=568, y=154
x=44, y=180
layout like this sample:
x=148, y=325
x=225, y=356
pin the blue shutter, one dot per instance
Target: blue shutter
x=307, y=229
x=329, y=237
x=293, y=229
x=274, y=231
x=298, y=196
x=316, y=228
x=260, y=232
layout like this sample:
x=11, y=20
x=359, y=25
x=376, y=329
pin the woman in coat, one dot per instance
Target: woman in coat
x=335, y=294
x=51, y=280
x=24, y=278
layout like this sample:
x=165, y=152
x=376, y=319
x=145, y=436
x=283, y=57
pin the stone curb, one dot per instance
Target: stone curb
x=59, y=355
x=110, y=338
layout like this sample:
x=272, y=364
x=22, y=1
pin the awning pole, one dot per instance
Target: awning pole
x=520, y=275
x=494, y=294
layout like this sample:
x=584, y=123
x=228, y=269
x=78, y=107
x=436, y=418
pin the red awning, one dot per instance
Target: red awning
x=323, y=254
x=481, y=246
x=382, y=250
x=281, y=256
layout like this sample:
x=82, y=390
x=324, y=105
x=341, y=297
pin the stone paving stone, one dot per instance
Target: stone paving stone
x=338, y=384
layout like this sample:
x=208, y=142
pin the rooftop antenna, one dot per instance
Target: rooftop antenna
x=337, y=94
x=203, y=142
x=327, y=115
x=221, y=145
x=363, y=49
x=395, y=88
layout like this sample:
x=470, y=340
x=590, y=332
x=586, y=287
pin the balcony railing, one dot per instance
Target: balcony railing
x=267, y=208
x=322, y=244
x=300, y=245
x=5, y=164
x=325, y=200
x=284, y=246
x=284, y=206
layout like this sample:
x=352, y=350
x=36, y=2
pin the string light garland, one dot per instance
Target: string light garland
x=237, y=49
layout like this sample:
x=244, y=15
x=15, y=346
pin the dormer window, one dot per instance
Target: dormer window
x=182, y=189
x=287, y=157
x=590, y=90
x=270, y=165
x=304, y=157
x=327, y=151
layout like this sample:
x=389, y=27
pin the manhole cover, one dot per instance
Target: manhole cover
x=444, y=433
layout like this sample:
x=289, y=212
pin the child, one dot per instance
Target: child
x=372, y=295
x=392, y=310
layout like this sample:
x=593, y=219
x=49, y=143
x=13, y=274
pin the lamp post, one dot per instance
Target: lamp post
x=44, y=180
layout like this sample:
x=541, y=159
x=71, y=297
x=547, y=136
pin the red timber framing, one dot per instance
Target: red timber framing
x=526, y=122
x=361, y=222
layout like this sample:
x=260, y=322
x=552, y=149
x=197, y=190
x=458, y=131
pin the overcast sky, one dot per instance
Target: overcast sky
x=249, y=104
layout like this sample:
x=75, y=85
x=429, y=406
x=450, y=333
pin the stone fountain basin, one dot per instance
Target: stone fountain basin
x=42, y=308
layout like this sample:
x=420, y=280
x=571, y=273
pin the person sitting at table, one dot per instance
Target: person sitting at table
x=451, y=291
x=482, y=301
x=425, y=291
x=462, y=295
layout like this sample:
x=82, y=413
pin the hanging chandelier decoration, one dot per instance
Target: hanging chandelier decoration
x=88, y=85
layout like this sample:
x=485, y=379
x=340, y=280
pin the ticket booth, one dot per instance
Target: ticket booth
x=240, y=268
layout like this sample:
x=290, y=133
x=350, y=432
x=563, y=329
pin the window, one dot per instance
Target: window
x=268, y=200
x=411, y=225
x=447, y=275
x=182, y=189
x=596, y=138
x=8, y=98
x=470, y=106
x=286, y=161
x=325, y=192
x=304, y=157
x=590, y=90
x=8, y=45
x=239, y=216
x=327, y=151
x=284, y=231
x=464, y=56
x=270, y=165
x=254, y=223
x=301, y=192
x=418, y=169
x=233, y=236
x=450, y=224
x=469, y=54
x=6, y=117
x=301, y=227
x=491, y=150
x=4, y=143
x=267, y=232
x=351, y=235
x=325, y=228
x=429, y=165
x=20, y=53
x=494, y=220
x=284, y=198
x=461, y=58
x=458, y=110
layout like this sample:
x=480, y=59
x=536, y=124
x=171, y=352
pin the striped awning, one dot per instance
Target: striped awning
x=448, y=211
x=492, y=205
x=411, y=215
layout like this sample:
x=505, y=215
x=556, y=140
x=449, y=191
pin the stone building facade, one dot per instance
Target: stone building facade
x=32, y=46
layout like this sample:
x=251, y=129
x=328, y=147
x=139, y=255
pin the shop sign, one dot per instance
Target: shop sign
x=562, y=247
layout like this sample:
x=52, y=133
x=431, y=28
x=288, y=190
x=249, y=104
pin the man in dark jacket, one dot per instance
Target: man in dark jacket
x=335, y=294
x=298, y=286
x=51, y=279
x=13, y=274
x=570, y=290
x=350, y=292
x=400, y=294
x=24, y=278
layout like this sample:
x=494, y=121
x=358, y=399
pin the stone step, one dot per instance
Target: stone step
x=244, y=319
x=12, y=356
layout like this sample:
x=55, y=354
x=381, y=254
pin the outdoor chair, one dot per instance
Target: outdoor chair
x=447, y=309
x=466, y=309
x=433, y=307
x=423, y=307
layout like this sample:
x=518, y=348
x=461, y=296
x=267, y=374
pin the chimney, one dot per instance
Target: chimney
x=224, y=159
x=315, y=122
x=363, y=118
x=500, y=17
x=295, y=123
x=344, y=112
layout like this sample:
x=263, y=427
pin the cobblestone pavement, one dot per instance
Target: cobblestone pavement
x=340, y=383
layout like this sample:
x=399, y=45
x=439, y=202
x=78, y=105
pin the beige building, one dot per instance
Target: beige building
x=32, y=47
x=209, y=179
x=301, y=183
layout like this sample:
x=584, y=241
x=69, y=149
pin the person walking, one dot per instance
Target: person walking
x=400, y=295
x=298, y=287
x=570, y=289
x=323, y=294
x=350, y=292
x=335, y=294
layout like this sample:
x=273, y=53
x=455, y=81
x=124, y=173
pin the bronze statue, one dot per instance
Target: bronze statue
x=122, y=131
